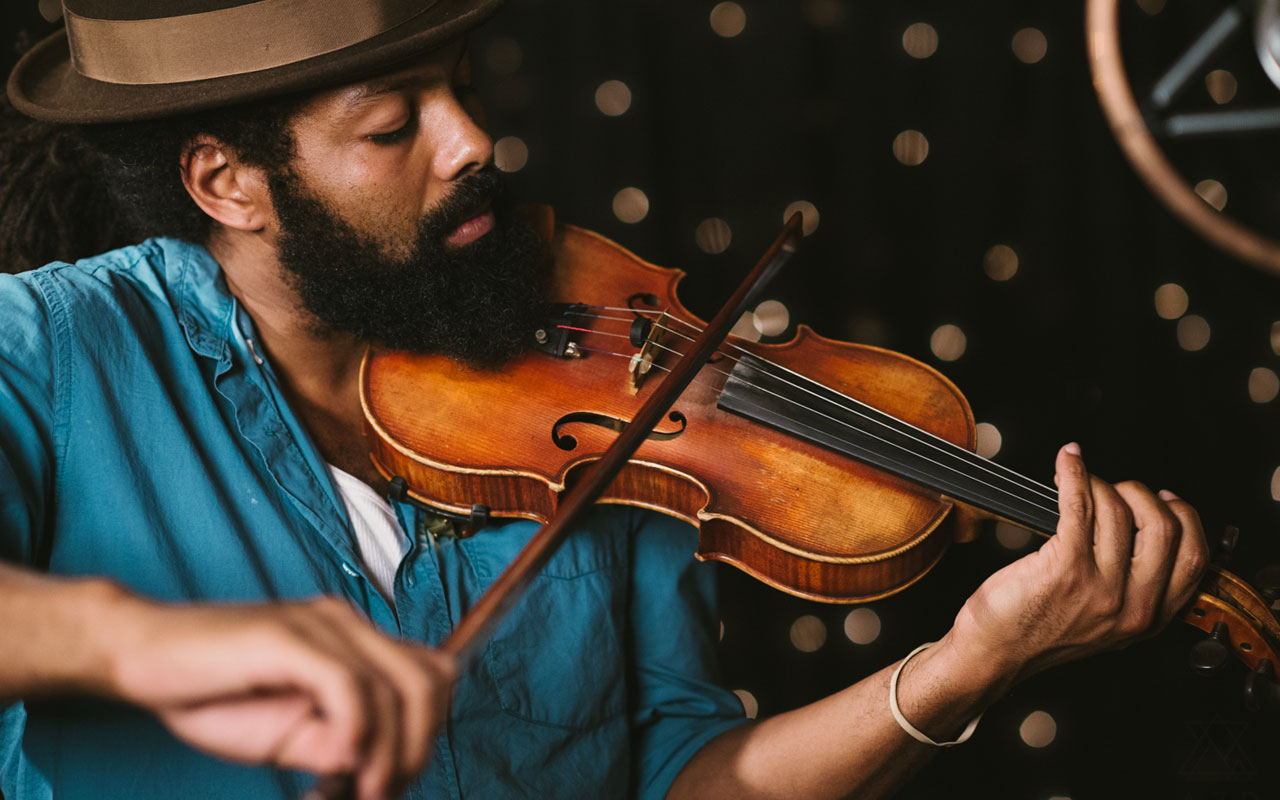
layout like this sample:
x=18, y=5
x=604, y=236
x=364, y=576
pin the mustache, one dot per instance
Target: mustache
x=468, y=198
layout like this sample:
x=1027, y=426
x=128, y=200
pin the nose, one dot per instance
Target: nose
x=463, y=146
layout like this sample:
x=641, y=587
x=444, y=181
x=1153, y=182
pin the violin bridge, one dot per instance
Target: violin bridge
x=648, y=336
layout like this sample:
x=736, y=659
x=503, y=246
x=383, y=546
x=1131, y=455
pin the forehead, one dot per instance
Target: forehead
x=421, y=72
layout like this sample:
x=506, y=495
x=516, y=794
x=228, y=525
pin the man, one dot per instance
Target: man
x=199, y=565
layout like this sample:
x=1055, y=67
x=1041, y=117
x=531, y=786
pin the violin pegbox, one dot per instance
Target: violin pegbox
x=1239, y=622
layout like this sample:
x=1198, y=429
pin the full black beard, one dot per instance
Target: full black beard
x=475, y=304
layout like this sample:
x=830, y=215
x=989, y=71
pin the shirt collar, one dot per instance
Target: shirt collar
x=205, y=304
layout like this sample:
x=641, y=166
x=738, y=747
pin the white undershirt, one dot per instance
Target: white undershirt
x=382, y=542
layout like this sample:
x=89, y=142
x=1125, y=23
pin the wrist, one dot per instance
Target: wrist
x=947, y=685
x=985, y=661
x=109, y=614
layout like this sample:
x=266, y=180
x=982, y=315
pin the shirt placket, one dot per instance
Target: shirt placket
x=423, y=607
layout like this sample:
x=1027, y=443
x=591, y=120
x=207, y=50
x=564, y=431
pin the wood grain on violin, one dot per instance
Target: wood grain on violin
x=794, y=514
x=834, y=471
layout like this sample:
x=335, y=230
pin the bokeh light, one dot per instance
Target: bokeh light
x=1221, y=86
x=948, y=342
x=1171, y=301
x=1275, y=485
x=1213, y=193
x=771, y=318
x=630, y=205
x=808, y=212
x=510, y=154
x=989, y=440
x=1193, y=332
x=1012, y=537
x=911, y=148
x=1029, y=45
x=1039, y=729
x=749, y=705
x=1000, y=263
x=713, y=236
x=503, y=56
x=862, y=626
x=920, y=40
x=1264, y=385
x=1152, y=7
x=613, y=98
x=745, y=328
x=728, y=19
x=808, y=634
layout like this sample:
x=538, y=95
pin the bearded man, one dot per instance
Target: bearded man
x=205, y=589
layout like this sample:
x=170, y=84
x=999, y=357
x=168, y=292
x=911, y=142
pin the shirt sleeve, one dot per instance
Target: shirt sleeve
x=26, y=419
x=677, y=706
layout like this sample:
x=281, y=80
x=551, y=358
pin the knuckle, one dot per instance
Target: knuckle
x=1166, y=524
x=1122, y=517
x=1107, y=605
x=1197, y=562
x=1075, y=505
x=1134, y=487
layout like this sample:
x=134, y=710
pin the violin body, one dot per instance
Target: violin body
x=793, y=514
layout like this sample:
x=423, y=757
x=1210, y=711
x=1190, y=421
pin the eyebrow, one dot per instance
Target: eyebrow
x=373, y=90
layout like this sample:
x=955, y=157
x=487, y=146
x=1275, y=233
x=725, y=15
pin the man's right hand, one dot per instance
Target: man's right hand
x=309, y=685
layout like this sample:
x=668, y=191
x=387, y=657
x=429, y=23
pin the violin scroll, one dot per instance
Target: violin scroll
x=1240, y=622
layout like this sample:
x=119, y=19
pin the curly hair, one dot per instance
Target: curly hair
x=67, y=192
x=53, y=206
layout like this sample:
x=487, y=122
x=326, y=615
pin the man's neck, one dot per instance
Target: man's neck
x=319, y=370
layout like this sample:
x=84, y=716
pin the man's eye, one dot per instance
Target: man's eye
x=391, y=137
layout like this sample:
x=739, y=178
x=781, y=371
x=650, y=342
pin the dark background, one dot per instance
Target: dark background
x=804, y=104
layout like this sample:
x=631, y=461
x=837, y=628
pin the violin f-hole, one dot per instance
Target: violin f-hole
x=567, y=441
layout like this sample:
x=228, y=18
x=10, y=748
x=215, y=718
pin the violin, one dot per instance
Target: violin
x=833, y=471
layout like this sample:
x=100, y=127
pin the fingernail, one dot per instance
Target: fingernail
x=1167, y=495
x=1073, y=449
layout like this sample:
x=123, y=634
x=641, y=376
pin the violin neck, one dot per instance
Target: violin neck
x=782, y=399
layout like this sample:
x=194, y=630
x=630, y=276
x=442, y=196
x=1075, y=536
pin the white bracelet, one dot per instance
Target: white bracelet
x=911, y=730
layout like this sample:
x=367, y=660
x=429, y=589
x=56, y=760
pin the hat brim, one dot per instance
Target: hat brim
x=46, y=86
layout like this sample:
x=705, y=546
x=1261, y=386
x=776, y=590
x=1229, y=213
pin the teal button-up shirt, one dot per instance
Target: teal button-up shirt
x=142, y=438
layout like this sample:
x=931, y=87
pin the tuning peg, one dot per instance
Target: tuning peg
x=1226, y=546
x=1260, y=690
x=1267, y=582
x=1210, y=654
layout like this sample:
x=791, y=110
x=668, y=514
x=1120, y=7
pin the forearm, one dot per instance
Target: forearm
x=848, y=743
x=55, y=633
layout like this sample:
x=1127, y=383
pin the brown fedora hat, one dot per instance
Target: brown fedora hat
x=119, y=60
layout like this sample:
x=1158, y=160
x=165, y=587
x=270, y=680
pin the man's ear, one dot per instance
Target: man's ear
x=231, y=192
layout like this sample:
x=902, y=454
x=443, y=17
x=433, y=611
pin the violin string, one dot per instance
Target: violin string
x=890, y=444
x=947, y=449
x=918, y=435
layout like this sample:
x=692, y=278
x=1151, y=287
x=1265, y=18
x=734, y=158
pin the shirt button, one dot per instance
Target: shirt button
x=347, y=569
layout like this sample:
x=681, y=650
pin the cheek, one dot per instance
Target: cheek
x=387, y=186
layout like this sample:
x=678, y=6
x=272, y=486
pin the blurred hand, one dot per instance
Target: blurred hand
x=1123, y=564
x=310, y=686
